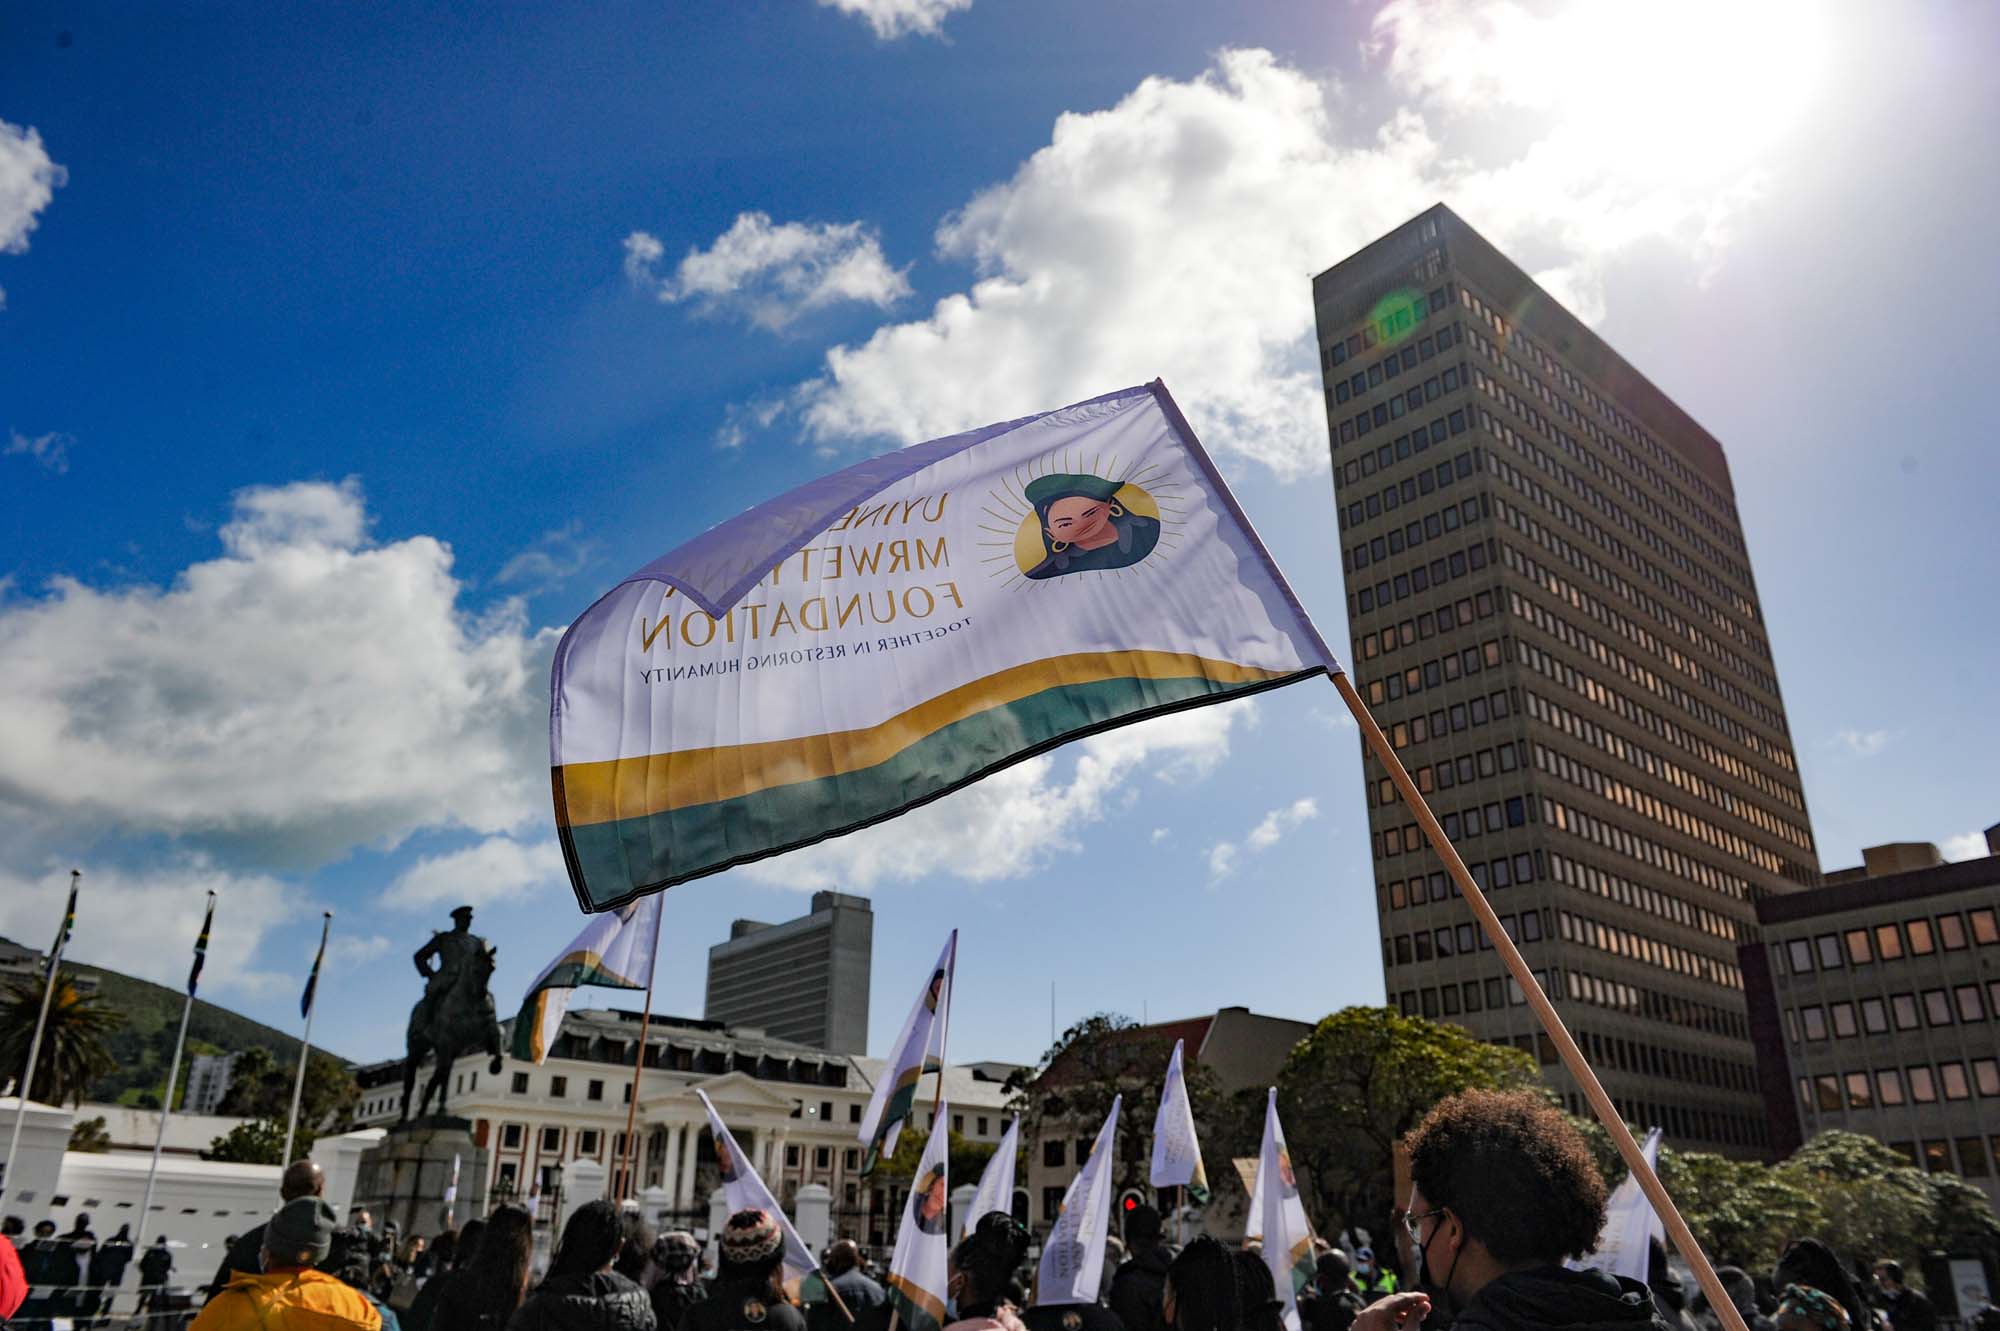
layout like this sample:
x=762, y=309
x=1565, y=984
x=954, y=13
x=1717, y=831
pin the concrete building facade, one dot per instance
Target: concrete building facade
x=805, y=980
x=1875, y=1003
x=208, y=1081
x=1552, y=615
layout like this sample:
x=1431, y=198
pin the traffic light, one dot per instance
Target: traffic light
x=1128, y=1201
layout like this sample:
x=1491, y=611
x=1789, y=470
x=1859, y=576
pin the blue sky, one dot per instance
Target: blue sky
x=346, y=354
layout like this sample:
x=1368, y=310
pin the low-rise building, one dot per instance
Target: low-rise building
x=794, y=1108
x=1875, y=1007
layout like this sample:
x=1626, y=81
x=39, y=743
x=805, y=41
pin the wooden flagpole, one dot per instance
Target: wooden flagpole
x=1517, y=966
x=629, y=1157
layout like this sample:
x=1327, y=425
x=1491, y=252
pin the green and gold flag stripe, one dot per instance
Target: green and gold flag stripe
x=921, y=1310
x=604, y=792
x=629, y=821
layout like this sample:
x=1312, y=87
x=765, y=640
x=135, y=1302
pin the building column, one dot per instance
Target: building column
x=778, y=1158
x=690, y=1137
x=670, y=1170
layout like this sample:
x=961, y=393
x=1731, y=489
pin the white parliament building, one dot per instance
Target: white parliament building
x=794, y=1108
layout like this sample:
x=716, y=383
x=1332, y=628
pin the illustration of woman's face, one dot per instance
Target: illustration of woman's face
x=722, y=1160
x=1081, y=522
x=934, y=1201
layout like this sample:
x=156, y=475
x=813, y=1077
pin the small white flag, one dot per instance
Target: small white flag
x=1624, y=1248
x=996, y=1185
x=894, y=1101
x=1176, y=1153
x=917, y=1273
x=1288, y=1246
x=1073, y=1258
x=744, y=1190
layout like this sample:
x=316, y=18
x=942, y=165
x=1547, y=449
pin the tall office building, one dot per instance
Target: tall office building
x=1553, y=617
x=805, y=980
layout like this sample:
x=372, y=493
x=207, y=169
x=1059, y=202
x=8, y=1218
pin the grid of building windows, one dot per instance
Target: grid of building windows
x=1601, y=735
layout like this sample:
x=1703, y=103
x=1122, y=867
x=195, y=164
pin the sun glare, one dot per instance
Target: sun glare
x=1688, y=91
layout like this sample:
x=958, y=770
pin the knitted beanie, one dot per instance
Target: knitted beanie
x=750, y=1237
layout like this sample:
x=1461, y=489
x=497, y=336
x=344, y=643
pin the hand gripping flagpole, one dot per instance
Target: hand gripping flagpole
x=1517, y=966
x=305, y=1049
x=27, y=1081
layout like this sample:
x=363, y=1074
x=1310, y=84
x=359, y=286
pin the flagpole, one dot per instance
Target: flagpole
x=35, y=1042
x=167, y=1105
x=1517, y=966
x=639, y=1064
x=629, y=1158
x=305, y=1048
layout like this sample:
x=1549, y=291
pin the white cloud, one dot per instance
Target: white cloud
x=555, y=557
x=350, y=950
x=899, y=18
x=49, y=451
x=305, y=693
x=28, y=182
x=495, y=869
x=144, y=922
x=1161, y=834
x=1015, y=820
x=1863, y=743
x=772, y=274
x=1224, y=856
x=1174, y=233
x=1965, y=846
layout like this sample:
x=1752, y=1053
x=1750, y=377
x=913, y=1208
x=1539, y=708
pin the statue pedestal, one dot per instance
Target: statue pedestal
x=404, y=1177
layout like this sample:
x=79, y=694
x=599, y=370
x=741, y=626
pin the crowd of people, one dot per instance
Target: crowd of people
x=1503, y=1194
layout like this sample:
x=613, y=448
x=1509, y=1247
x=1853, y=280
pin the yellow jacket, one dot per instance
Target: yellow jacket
x=288, y=1301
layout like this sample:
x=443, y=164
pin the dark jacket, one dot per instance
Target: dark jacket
x=108, y=1263
x=1554, y=1298
x=600, y=1301
x=462, y=1306
x=1071, y=1317
x=737, y=1308
x=856, y=1290
x=1138, y=1286
x=1910, y=1311
x=245, y=1255
x=1332, y=1311
x=672, y=1300
x=155, y=1265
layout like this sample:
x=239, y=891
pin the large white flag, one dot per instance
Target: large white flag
x=1073, y=1257
x=894, y=1100
x=917, y=1273
x=1176, y=1153
x=996, y=1185
x=615, y=950
x=1624, y=1248
x=1288, y=1247
x=743, y=1188
x=876, y=638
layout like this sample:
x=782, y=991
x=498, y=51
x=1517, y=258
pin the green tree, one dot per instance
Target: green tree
x=88, y=1136
x=73, y=1052
x=1363, y=1078
x=1108, y=1056
x=1742, y=1212
x=260, y=1086
x=1874, y=1203
x=259, y=1142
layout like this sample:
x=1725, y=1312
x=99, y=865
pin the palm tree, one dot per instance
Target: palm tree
x=73, y=1053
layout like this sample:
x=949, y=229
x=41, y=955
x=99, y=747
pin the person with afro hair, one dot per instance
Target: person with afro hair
x=1503, y=1188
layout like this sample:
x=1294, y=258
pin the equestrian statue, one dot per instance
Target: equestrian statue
x=455, y=1015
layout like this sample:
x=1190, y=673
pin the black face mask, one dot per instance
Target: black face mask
x=1444, y=1309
